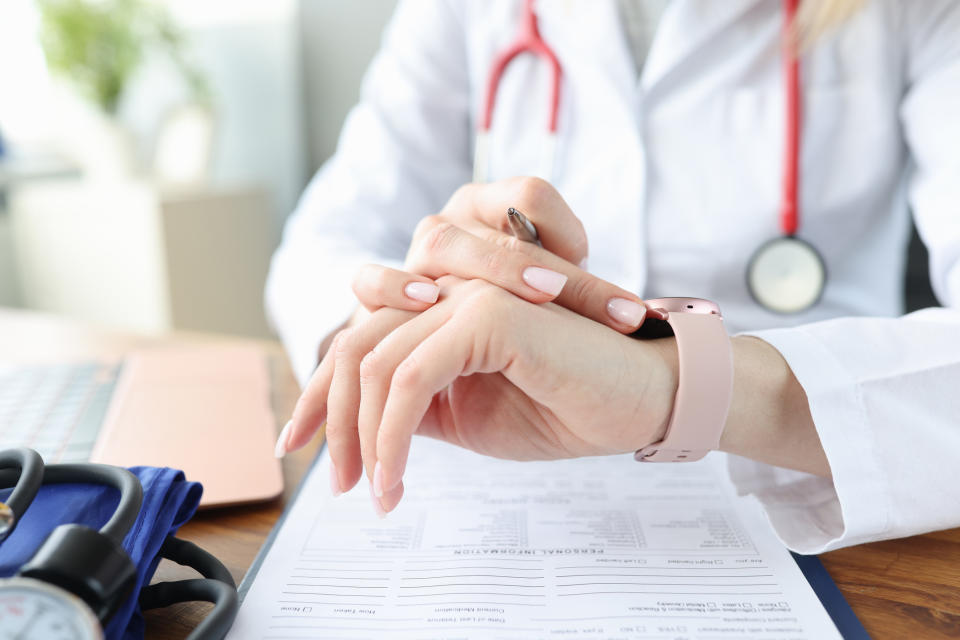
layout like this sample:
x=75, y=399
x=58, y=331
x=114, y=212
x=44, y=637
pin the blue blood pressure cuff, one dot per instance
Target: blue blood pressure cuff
x=169, y=501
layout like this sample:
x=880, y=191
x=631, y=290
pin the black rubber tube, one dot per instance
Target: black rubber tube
x=225, y=601
x=131, y=491
x=186, y=553
x=28, y=477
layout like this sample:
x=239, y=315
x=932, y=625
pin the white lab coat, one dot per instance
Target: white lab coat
x=677, y=180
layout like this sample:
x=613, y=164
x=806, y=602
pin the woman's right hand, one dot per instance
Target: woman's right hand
x=487, y=371
x=470, y=239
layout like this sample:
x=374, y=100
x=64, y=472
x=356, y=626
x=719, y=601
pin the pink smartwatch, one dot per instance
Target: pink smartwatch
x=706, y=379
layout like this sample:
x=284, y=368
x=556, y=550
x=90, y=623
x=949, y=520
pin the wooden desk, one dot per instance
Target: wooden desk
x=899, y=589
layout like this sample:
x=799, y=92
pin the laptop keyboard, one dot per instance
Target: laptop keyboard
x=56, y=409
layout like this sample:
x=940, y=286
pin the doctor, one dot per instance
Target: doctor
x=669, y=174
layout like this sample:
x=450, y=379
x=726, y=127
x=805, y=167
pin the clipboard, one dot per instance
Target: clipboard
x=813, y=570
x=830, y=597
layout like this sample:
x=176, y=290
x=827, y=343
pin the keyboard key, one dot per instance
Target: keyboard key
x=57, y=409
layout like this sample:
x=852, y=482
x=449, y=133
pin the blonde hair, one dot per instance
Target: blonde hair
x=816, y=17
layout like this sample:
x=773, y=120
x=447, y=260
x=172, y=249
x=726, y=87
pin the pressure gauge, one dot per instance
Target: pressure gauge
x=35, y=610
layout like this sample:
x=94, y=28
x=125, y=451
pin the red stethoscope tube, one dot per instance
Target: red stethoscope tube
x=790, y=208
x=528, y=40
x=788, y=275
x=785, y=274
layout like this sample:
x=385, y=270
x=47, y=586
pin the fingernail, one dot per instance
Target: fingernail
x=376, y=504
x=626, y=311
x=280, y=449
x=334, y=481
x=422, y=291
x=584, y=264
x=545, y=280
x=658, y=313
x=378, y=480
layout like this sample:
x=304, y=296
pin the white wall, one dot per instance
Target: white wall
x=9, y=282
x=249, y=51
x=339, y=39
x=23, y=87
x=284, y=74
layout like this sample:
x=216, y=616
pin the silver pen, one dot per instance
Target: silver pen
x=521, y=228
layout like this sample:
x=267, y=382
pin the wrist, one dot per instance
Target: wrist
x=662, y=391
x=769, y=418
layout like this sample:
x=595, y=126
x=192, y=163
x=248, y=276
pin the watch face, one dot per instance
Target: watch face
x=685, y=305
x=34, y=610
x=654, y=327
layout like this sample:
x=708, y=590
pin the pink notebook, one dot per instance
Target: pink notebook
x=205, y=410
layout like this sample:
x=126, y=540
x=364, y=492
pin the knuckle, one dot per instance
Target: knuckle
x=512, y=244
x=583, y=290
x=463, y=195
x=496, y=263
x=370, y=367
x=484, y=298
x=408, y=376
x=533, y=193
x=380, y=286
x=426, y=224
x=440, y=237
x=338, y=339
x=347, y=344
x=363, y=277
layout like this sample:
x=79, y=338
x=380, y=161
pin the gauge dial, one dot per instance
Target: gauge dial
x=35, y=610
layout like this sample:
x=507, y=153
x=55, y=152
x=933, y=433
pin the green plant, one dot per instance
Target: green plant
x=98, y=45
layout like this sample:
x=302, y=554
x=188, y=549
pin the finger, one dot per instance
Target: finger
x=343, y=398
x=376, y=371
x=527, y=271
x=388, y=502
x=433, y=365
x=377, y=286
x=448, y=249
x=560, y=231
x=311, y=408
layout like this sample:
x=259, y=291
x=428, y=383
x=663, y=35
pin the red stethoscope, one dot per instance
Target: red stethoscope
x=785, y=274
x=528, y=40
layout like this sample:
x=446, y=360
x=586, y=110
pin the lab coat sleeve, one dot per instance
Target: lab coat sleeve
x=884, y=393
x=404, y=149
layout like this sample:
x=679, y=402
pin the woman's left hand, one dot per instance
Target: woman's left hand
x=488, y=371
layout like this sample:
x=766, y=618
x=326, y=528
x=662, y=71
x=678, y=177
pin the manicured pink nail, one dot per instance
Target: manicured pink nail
x=658, y=313
x=545, y=280
x=381, y=513
x=422, y=291
x=281, y=449
x=334, y=481
x=378, y=480
x=626, y=311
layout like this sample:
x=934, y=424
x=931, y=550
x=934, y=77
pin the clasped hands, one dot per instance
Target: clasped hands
x=489, y=343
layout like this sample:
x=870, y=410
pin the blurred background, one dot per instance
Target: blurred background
x=150, y=150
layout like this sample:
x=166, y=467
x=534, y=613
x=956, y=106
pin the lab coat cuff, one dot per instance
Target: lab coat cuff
x=811, y=514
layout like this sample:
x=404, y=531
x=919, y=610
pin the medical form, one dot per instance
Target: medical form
x=486, y=548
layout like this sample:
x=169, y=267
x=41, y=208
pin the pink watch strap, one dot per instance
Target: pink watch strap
x=704, y=391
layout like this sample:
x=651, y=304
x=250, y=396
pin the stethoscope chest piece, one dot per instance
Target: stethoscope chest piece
x=786, y=275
